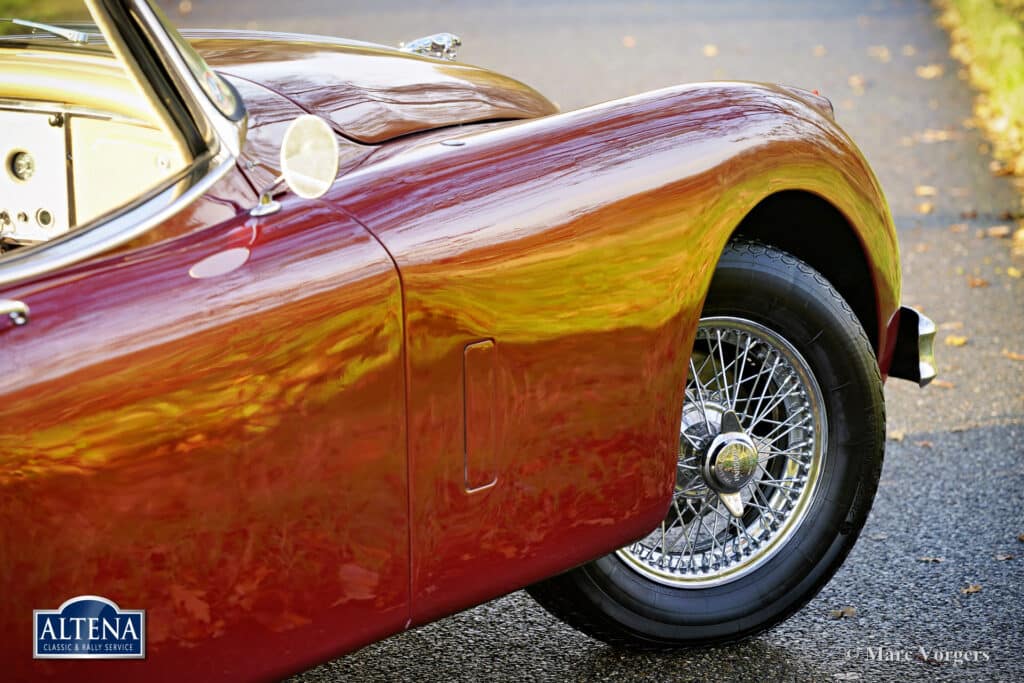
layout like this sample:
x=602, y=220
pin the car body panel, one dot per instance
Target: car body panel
x=590, y=293
x=369, y=93
x=211, y=428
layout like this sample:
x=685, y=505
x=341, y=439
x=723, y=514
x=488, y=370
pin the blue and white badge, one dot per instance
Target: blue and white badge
x=89, y=627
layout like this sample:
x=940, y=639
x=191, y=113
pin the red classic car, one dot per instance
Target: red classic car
x=308, y=342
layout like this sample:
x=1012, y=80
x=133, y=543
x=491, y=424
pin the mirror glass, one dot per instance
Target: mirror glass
x=309, y=156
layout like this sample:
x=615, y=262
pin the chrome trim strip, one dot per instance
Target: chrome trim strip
x=69, y=110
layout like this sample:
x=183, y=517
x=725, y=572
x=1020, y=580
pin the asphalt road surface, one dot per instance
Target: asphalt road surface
x=953, y=482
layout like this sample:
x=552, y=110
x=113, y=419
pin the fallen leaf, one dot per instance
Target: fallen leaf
x=976, y=282
x=710, y=50
x=925, y=208
x=942, y=384
x=1014, y=272
x=908, y=50
x=628, y=41
x=956, y=340
x=880, y=52
x=1013, y=355
x=924, y=444
x=998, y=231
x=925, y=191
x=952, y=325
x=819, y=51
x=998, y=168
x=969, y=214
x=1020, y=537
x=1002, y=557
x=185, y=7
x=857, y=82
x=929, y=71
x=843, y=612
x=972, y=588
x=930, y=135
x=930, y=560
x=921, y=247
x=896, y=435
x=958, y=227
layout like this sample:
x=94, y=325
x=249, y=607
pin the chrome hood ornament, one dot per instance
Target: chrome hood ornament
x=438, y=45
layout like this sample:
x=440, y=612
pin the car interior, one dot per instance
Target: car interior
x=77, y=138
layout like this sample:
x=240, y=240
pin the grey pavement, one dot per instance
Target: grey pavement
x=953, y=482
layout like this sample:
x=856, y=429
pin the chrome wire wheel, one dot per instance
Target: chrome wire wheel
x=751, y=445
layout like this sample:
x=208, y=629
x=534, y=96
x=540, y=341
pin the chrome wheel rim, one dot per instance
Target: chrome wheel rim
x=753, y=380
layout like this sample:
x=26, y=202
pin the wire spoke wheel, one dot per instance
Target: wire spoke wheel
x=748, y=384
x=781, y=443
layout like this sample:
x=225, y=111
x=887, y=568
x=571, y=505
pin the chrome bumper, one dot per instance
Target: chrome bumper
x=914, y=355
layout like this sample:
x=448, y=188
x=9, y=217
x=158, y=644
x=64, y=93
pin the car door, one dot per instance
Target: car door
x=211, y=428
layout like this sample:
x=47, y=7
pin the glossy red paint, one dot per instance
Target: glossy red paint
x=226, y=452
x=269, y=117
x=458, y=373
x=591, y=295
x=370, y=93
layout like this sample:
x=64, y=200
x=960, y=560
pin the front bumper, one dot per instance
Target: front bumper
x=913, y=356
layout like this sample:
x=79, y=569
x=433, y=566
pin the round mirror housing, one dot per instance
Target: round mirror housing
x=309, y=156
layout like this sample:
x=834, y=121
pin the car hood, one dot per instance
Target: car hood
x=370, y=93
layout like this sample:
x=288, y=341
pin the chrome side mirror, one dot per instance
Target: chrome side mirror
x=308, y=161
x=309, y=156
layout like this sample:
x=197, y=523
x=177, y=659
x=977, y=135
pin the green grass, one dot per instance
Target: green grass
x=40, y=10
x=988, y=36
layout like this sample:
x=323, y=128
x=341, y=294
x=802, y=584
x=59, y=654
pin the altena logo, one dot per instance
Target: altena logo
x=89, y=627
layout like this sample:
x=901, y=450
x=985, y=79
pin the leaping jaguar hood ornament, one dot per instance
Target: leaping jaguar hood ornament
x=438, y=45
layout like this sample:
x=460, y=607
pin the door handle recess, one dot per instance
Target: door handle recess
x=15, y=310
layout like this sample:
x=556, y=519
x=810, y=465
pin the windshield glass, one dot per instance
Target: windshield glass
x=216, y=88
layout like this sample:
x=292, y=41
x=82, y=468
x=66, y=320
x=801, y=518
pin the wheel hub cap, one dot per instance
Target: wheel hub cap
x=731, y=460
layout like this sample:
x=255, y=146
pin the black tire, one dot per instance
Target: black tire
x=609, y=600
